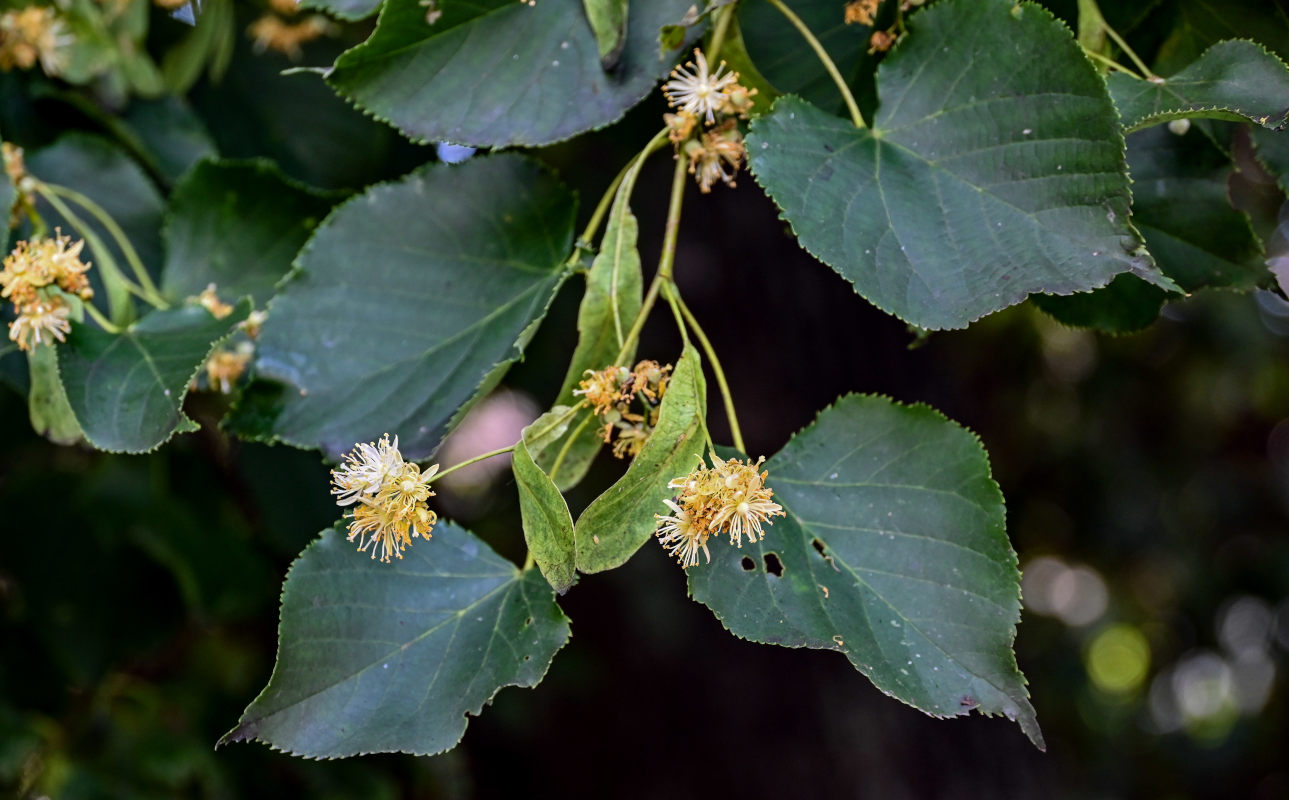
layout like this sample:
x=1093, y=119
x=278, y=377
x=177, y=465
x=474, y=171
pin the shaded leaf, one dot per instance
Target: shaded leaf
x=51, y=416
x=617, y=522
x=379, y=657
x=548, y=526
x=608, y=20
x=237, y=225
x=170, y=135
x=1128, y=304
x=543, y=84
x=127, y=389
x=410, y=300
x=734, y=52
x=894, y=552
x=1272, y=149
x=1202, y=23
x=1233, y=80
x=982, y=180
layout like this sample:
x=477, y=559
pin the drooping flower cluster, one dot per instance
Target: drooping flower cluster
x=716, y=98
x=730, y=497
x=611, y=394
x=278, y=29
x=32, y=34
x=34, y=278
x=388, y=497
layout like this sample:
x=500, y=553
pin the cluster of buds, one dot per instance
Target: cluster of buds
x=730, y=497
x=38, y=276
x=278, y=29
x=864, y=12
x=387, y=497
x=613, y=391
x=718, y=100
x=32, y=34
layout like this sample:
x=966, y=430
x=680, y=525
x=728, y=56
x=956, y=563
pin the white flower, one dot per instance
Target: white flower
x=699, y=92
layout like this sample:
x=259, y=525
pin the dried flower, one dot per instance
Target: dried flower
x=253, y=323
x=603, y=388
x=38, y=321
x=32, y=34
x=389, y=496
x=271, y=32
x=680, y=126
x=738, y=101
x=699, y=92
x=37, y=264
x=209, y=300
x=730, y=497
x=861, y=11
x=224, y=367
x=14, y=166
x=880, y=42
x=717, y=157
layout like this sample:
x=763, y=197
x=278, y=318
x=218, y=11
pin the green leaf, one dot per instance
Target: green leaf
x=1233, y=80
x=617, y=522
x=1092, y=27
x=548, y=527
x=127, y=389
x=379, y=657
x=406, y=299
x=350, y=9
x=734, y=52
x=207, y=47
x=237, y=225
x=51, y=416
x=894, y=552
x=609, y=306
x=608, y=20
x=994, y=169
x=1272, y=148
x=543, y=83
x=1200, y=24
x=1128, y=304
x=170, y=135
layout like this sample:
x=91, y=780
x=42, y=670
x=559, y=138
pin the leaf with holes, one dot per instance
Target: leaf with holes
x=541, y=83
x=237, y=224
x=1233, y=80
x=994, y=169
x=409, y=302
x=617, y=522
x=127, y=389
x=376, y=658
x=894, y=552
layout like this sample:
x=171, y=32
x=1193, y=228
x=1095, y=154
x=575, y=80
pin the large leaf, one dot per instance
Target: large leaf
x=994, y=169
x=1233, y=80
x=894, y=552
x=169, y=135
x=406, y=299
x=617, y=522
x=127, y=389
x=379, y=657
x=237, y=225
x=498, y=72
x=609, y=306
x=608, y=20
x=548, y=526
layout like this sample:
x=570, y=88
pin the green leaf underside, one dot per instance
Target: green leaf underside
x=377, y=657
x=1181, y=205
x=542, y=83
x=894, y=552
x=407, y=300
x=1234, y=80
x=51, y=416
x=993, y=170
x=617, y=522
x=548, y=526
x=345, y=9
x=1128, y=304
x=237, y=224
x=127, y=389
x=612, y=300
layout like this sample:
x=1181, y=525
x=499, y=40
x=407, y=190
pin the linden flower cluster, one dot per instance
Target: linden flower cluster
x=610, y=393
x=32, y=34
x=388, y=496
x=34, y=278
x=273, y=31
x=718, y=99
x=730, y=497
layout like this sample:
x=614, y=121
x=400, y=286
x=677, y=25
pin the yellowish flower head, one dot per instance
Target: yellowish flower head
x=35, y=265
x=729, y=497
x=271, y=32
x=389, y=498
x=32, y=34
x=602, y=389
x=695, y=89
x=224, y=367
x=861, y=12
x=209, y=300
x=39, y=322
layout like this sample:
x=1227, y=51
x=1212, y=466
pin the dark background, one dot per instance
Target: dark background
x=138, y=595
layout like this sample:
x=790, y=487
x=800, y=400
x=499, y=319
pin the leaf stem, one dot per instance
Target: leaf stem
x=1128, y=51
x=568, y=443
x=1111, y=63
x=470, y=461
x=624, y=182
x=719, y=30
x=529, y=561
x=825, y=59
x=666, y=261
x=735, y=432
x=98, y=317
x=122, y=241
x=673, y=297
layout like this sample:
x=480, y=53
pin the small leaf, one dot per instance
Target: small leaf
x=544, y=82
x=237, y=224
x=981, y=181
x=127, y=389
x=352, y=9
x=608, y=20
x=1128, y=304
x=51, y=416
x=617, y=522
x=548, y=527
x=409, y=300
x=1233, y=80
x=894, y=552
x=376, y=658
